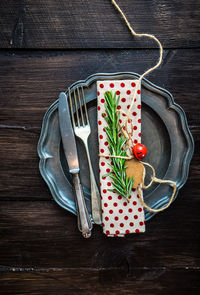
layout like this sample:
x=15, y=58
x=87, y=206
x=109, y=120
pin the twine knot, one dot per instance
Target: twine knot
x=128, y=134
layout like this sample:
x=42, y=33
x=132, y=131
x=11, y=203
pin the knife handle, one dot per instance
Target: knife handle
x=84, y=221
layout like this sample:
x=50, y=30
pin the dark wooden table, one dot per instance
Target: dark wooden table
x=45, y=46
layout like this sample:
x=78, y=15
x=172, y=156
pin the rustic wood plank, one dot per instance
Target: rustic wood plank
x=31, y=81
x=19, y=173
x=106, y=281
x=20, y=178
x=96, y=24
x=41, y=250
x=42, y=235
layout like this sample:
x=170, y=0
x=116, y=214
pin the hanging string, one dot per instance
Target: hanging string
x=155, y=179
x=139, y=35
x=125, y=130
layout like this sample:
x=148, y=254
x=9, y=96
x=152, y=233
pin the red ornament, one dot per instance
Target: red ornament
x=139, y=151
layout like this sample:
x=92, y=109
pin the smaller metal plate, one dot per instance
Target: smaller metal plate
x=164, y=131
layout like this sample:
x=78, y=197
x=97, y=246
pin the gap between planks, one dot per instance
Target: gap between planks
x=57, y=269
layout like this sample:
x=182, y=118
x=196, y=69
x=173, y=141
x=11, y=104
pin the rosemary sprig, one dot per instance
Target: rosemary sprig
x=121, y=183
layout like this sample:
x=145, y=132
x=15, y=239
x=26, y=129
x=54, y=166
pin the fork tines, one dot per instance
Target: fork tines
x=79, y=100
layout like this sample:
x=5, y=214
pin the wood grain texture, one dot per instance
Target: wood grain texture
x=42, y=235
x=149, y=281
x=19, y=173
x=32, y=81
x=41, y=249
x=96, y=24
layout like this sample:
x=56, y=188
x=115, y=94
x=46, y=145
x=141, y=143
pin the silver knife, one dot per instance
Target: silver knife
x=70, y=150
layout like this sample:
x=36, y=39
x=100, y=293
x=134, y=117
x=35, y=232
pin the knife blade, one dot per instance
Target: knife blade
x=70, y=150
x=67, y=134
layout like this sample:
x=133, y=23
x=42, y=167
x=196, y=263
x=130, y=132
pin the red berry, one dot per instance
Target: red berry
x=139, y=151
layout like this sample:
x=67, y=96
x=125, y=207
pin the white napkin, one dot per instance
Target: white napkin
x=119, y=216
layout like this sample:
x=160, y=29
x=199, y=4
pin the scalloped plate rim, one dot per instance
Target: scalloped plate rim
x=150, y=86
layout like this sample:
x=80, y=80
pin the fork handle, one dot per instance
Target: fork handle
x=84, y=221
x=95, y=195
x=96, y=200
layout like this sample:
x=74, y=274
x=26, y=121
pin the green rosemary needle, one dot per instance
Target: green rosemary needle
x=121, y=183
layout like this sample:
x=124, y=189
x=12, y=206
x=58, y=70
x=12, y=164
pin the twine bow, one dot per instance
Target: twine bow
x=128, y=135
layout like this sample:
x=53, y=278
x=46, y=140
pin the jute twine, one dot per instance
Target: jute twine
x=128, y=135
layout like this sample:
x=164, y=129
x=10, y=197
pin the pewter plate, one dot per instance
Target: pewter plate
x=164, y=131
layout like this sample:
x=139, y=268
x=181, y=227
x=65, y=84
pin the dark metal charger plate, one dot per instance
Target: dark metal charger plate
x=165, y=132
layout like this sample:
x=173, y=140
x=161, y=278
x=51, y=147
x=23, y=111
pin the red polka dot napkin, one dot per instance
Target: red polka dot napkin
x=119, y=216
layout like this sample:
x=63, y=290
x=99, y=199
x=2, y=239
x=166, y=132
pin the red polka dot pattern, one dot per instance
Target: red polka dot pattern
x=119, y=216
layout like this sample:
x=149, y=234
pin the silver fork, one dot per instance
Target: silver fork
x=83, y=130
